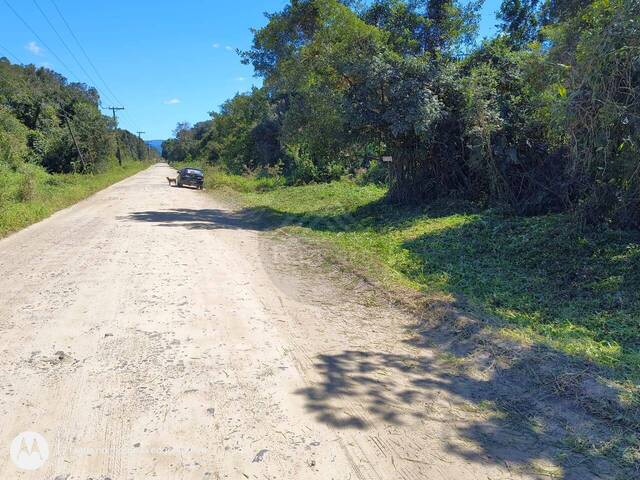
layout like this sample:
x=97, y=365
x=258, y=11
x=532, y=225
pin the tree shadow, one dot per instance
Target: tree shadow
x=202, y=219
x=509, y=412
x=533, y=402
x=545, y=274
x=379, y=216
x=538, y=272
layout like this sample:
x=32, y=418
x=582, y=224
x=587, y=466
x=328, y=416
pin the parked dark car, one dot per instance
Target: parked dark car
x=191, y=177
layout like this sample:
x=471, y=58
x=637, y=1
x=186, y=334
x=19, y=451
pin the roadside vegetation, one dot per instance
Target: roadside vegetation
x=545, y=117
x=514, y=172
x=56, y=147
x=30, y=194
x=543, y=278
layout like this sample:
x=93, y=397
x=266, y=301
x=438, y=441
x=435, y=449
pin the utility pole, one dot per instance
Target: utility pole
x=140, y=135
x=115, y=122
x=114, y=109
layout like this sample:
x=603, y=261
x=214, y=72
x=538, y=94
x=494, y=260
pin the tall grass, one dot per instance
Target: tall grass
x=29, y=194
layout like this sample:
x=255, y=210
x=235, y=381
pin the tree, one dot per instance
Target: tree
x=519, y=20
x=449, y=27
x=541, y=118
x=401, y=20
x=64, y=129
x=308, y=49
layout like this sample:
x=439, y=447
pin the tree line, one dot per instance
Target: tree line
x=47, y=121
x=543, y=117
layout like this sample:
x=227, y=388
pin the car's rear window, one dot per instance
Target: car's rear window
x=193, y=171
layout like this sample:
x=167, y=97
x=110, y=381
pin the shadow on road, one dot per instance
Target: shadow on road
x=520, y=404
x=202, y=219
x=378, y=215
x=520, y=413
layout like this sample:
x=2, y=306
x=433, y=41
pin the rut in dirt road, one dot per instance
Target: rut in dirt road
x=151, y=332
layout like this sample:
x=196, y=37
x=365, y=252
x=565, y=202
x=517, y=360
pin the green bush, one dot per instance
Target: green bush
x=301, y=167
x=26, y=189
x=41, y=114
x=30, y=194
x=377, y=173
x=603, y=109
x=13, y=139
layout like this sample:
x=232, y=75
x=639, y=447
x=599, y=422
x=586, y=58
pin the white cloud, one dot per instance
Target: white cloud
x=34, y=48
x=173, y=101
x=240, y=79
x=216, y=45
x=229, y=48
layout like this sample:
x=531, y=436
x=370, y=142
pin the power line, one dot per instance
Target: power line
x=60, y=112
x=90, y=62
x=66, y=46
x=41, y=40
x=55, y=30
x=130, y=119
x=62, y=62
x=84, y=52
x=11, y=54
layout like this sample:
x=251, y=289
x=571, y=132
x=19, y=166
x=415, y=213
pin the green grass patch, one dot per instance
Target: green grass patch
x=235, y=183
x=244, y=184
x=30, y=194
x=577, y=291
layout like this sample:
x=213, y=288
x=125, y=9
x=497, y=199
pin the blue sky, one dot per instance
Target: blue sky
x=166, y=61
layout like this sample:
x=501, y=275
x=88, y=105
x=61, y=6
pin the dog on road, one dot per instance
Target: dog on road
x=172, y=181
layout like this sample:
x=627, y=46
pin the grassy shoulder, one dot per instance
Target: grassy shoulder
x=540, y=277
x=30, y=194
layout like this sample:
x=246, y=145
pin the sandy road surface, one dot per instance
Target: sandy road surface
x=145, y=334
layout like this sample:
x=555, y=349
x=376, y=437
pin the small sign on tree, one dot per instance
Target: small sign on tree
x=387, y=159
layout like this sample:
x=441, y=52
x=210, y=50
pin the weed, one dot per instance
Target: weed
x=27, y=189
x=30, y=194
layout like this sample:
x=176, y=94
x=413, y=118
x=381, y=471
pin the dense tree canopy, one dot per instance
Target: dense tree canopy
x=47, y=121
x=543, y=117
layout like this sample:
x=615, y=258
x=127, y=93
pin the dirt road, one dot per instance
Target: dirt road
x=147, y=333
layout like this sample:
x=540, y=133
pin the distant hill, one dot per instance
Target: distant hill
x=156, y=145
